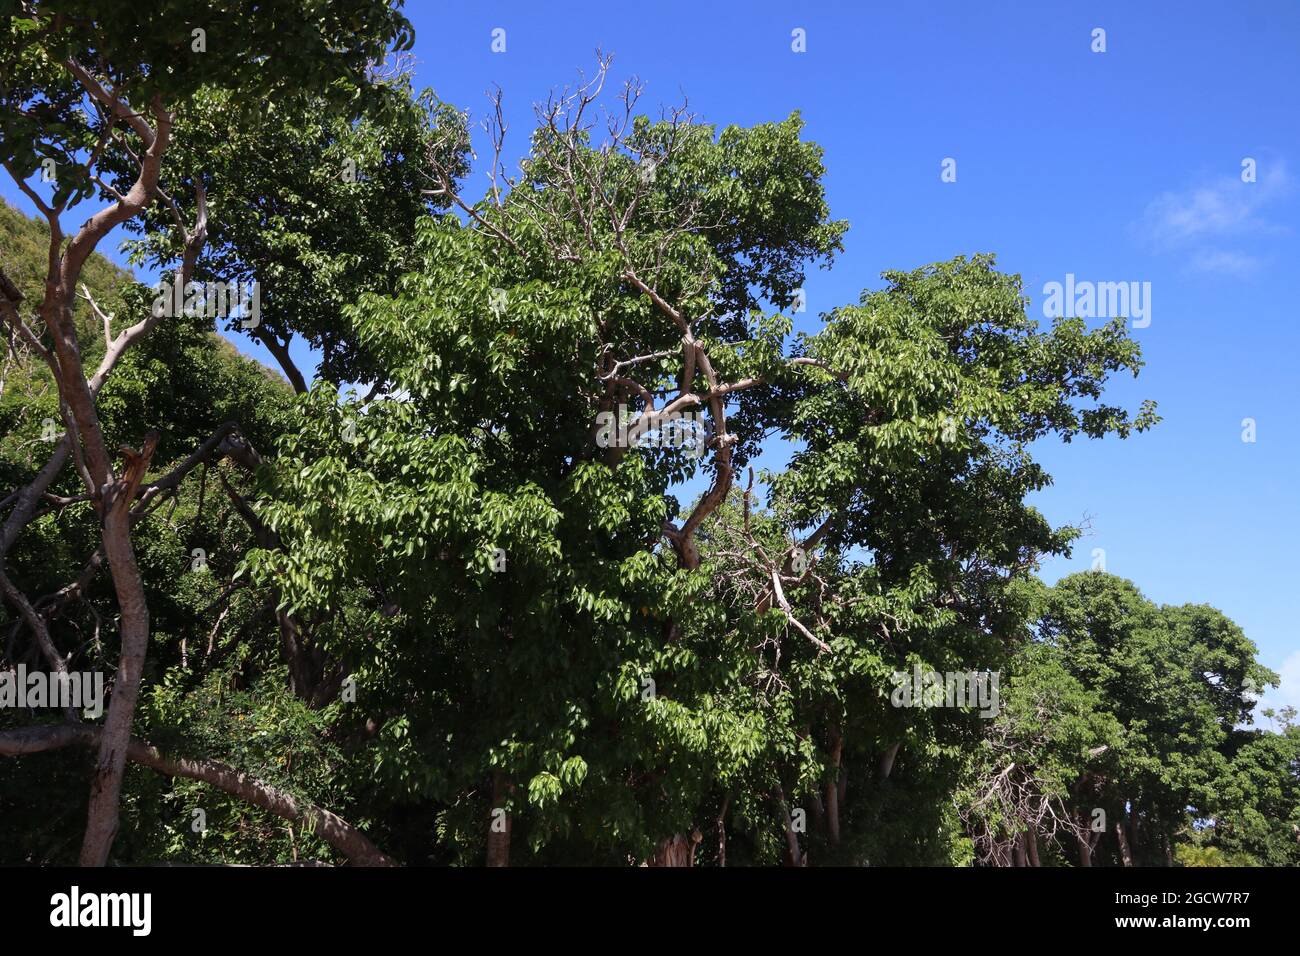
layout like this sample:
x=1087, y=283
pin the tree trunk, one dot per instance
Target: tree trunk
x=1124, y=854
x=832, y=790
x=1031, y=846
x=106, y=782
x=112, y=496
x=280, y=351
x=722, y=831
x=676, y=850
x=498, y=841
x=817, y=813
x=313, y=677
x=794, y=855
x=1085, y=851
x=886, y=765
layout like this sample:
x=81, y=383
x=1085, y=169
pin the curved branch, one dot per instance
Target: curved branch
x=331, y=828
x=280, y=351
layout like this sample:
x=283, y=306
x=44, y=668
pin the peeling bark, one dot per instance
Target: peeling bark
x=676, y=850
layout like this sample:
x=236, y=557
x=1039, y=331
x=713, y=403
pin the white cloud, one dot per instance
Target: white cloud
x=1227, y=207
x=1195, y=222
x=1224, y=262
x=1286, y=694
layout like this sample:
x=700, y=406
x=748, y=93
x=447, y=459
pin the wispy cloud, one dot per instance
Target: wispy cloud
x=1226, y=262
x=1287, y=693
x=1193, y=223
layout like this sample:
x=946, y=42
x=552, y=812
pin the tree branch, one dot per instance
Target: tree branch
x=331, y=828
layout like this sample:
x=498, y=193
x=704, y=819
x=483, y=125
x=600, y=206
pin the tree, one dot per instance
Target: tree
x=1052, y=738
x=609, y=679
x=1148, y=700
x=84, y=79
x=1255, y=818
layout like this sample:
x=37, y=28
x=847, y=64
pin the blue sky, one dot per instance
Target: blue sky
x=1115, y=166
